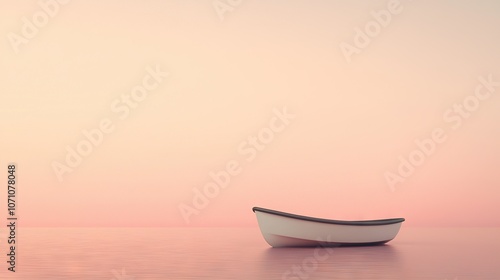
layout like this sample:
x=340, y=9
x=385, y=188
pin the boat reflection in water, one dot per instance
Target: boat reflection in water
x=367, y=262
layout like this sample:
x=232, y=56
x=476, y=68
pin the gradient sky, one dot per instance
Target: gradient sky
x=352, y=119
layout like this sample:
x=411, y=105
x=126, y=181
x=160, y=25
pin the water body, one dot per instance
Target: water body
x=242, y=253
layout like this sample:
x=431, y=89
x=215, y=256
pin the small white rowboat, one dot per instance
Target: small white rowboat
x=282, y=229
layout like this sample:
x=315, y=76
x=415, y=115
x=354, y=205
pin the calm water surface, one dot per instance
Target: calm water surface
x=241, y=253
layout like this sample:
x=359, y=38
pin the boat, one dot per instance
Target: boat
x=281, y=229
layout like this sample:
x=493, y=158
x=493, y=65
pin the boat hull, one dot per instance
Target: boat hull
x=283, y=231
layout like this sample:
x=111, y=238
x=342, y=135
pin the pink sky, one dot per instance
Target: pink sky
x=350, y=117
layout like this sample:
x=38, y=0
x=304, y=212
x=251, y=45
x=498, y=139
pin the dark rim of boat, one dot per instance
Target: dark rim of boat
x=327, y=221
